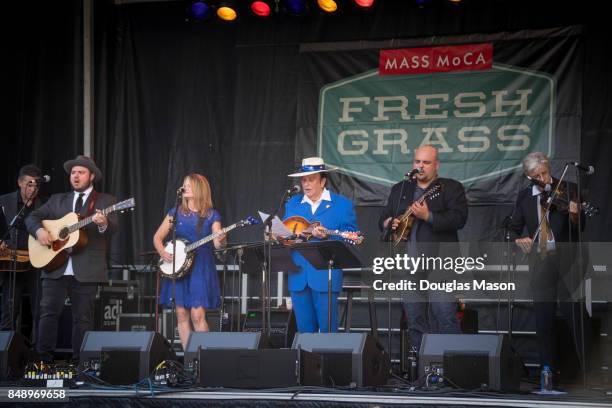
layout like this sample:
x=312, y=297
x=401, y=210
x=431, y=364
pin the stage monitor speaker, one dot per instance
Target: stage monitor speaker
x=471, y=361
x=282, y=326
x=220, y=341
x=266, y=368
x=348, y=358
x=123, y=357
x=14, y=355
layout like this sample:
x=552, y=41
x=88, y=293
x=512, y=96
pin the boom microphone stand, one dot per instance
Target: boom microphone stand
x=267, y=270
x=179, y=197
x=15, y=241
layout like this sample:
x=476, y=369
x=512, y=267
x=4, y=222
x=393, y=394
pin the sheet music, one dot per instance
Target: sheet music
x=278, y=228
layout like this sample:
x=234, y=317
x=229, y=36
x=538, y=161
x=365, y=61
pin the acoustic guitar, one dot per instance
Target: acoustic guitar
x=66, y=233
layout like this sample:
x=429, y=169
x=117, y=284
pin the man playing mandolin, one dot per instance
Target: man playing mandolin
x=79, y=276
x=435, y=219
x=308, y=286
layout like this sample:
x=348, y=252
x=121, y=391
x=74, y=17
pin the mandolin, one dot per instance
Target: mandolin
x=6, y=260
x=302, y=229
x=406, y=220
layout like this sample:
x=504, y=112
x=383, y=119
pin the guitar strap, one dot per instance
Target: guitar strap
x=200, y=225
x=92, y=202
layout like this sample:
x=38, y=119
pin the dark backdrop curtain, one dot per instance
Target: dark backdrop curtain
x=41, y=82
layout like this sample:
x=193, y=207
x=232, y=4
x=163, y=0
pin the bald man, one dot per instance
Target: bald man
x=437, y=220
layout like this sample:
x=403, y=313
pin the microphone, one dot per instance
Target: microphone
x=410, y=176
x=547, y=187
x=180, y=190
x=293, y=190
x=587, y=169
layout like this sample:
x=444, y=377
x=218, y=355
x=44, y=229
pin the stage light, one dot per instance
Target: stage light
x=329, y=6
x=421, y=3
x=295, y=7
x=198, y=10
x=364, y=3
x=261, y=8
x=227, y=11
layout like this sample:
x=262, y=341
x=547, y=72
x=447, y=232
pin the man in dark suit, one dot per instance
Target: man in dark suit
x=437, y=221
x=552, y=263
x=27, y=281
x=78, y=278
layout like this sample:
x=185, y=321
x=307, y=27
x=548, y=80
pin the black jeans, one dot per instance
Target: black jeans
x=54, y=293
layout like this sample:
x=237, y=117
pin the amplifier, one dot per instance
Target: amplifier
x=282, y=326
x=136, y=322
x=111, y=301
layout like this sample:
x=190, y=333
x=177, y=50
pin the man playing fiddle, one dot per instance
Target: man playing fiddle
x=540, y=235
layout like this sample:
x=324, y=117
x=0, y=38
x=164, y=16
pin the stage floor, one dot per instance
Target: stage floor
x=317, y=396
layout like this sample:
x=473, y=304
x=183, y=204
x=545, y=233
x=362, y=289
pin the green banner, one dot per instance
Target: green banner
x=482, y=122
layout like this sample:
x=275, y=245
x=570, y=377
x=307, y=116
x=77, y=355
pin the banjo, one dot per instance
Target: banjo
x=185, y=251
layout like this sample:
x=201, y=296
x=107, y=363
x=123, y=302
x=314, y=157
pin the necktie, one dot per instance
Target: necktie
x=544, y=232
x=79, y=203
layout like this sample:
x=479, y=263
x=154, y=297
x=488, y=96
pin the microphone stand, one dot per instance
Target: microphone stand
x=510, y=269
x=179, y=197
x=15, y=242
x=266, y=267
x=580, y=265
x=387, y=236
x=222, y=257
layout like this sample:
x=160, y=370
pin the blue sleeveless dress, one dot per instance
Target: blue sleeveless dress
x=200, y=288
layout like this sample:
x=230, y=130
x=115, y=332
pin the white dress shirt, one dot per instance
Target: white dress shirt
x=550, y=244
x=313, y=206
x=86, y=193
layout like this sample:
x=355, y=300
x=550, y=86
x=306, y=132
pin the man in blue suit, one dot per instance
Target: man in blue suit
x=308, y=286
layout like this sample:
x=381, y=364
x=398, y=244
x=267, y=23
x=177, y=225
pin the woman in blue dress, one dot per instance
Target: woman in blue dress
x=199, y=290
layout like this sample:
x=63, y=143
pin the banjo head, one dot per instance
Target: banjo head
x=183, y=260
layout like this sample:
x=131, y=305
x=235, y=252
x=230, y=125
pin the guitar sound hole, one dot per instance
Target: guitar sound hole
x=63, y=234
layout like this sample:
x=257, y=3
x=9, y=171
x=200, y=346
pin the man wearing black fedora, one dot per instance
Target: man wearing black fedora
x=79, y=277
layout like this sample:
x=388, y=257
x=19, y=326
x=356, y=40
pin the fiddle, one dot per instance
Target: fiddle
x=560, y=201
x=302, y=229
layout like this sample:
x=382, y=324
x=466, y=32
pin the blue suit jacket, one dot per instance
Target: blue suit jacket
x=335, y=214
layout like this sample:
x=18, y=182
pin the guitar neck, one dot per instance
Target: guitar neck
x=419, y=200
x=209, y=238
x=333, y=233
x=88, y=220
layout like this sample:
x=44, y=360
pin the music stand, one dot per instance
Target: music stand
x=329, y=255
x=279, y=260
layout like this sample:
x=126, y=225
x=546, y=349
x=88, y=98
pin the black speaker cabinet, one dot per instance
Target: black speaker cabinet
x=265, y=368
x=347, y=357
x=471, y=360
x=123, y=357
x=14, y=355
x=220, y=341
